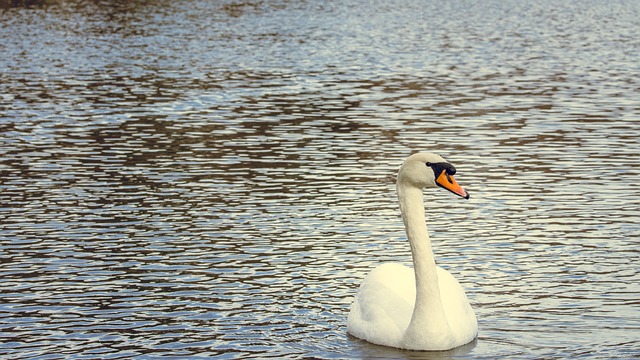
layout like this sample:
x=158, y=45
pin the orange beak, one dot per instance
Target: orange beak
x=448, y=182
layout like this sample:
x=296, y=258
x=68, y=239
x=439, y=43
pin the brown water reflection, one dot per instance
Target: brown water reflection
x=215, y=179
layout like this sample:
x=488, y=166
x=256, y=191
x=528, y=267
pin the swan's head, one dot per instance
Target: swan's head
x=427, y=170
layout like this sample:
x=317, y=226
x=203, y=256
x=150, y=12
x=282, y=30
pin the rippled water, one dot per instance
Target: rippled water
x=215, y=178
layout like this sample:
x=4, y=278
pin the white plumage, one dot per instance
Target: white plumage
x=389, y=309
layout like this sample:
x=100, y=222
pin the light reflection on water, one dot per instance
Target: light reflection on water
x=215, y=179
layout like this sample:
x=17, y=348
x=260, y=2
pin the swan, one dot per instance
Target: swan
x=424, y=308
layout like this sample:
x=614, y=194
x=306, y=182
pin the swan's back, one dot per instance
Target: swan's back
x=383, y=307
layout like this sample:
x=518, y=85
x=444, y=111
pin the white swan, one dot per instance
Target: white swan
x=424, y=308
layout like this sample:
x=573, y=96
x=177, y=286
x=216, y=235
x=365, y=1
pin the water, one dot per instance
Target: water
x=215, y=178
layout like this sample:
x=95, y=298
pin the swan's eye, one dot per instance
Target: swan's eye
x=429, y=164
x=451, y=170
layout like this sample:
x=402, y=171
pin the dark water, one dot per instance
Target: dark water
x=215, y=178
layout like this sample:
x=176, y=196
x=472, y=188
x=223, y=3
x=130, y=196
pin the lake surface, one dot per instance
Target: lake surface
x=215, y=178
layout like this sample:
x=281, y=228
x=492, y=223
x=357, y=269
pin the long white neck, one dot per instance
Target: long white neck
x=428, y=322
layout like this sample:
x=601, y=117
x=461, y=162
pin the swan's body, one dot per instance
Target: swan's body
x=424, y=308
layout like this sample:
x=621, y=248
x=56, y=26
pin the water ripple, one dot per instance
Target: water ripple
x=215, y=179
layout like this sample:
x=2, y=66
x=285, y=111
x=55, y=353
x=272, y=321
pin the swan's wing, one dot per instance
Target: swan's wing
x=382, y=309
x=460, y=315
